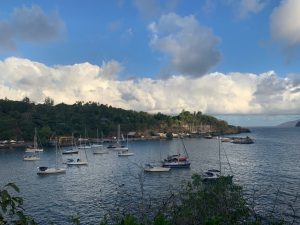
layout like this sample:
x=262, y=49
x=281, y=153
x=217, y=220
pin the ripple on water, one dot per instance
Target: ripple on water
x=268, y=170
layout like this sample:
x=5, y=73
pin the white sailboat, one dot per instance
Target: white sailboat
x=35, y=147
x=44, y=170
x=152, y=168
x=125, y=153
x=213, y=175
x=32, y=156
x=97, y=144
x=85, y=145
x=98, y=149
x=79, y=161
x=118, y=146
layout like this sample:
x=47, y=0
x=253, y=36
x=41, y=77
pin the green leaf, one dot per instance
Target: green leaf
x=12, y=185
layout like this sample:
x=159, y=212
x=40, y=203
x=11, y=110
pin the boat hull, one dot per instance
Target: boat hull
x=117, y=148
x=70, y=152
x=77, y=163
x=96, y=146
x=51, y=171
x=125, y=154
x=100, y=152
x=157, y=169
x=177, y=164
x=84, y=147
x=31, y=158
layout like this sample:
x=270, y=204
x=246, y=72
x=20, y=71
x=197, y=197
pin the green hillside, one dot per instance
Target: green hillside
x=19, y=118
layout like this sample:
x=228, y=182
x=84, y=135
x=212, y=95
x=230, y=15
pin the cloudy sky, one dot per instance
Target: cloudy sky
x=221, y=57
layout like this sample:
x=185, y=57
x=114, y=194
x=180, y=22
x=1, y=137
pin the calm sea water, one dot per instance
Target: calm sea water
x=269, y=171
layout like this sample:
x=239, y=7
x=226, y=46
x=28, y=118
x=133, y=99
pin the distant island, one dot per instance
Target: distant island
x=294, y=123
x=18, y=119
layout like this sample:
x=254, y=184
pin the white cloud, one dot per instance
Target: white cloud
x=285, y=23
x=29, y=24
x=216, y=93
x=192, y=48
x=241, y=8
x=247, y=7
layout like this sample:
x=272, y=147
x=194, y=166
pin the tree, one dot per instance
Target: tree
x=26, y=99
x=49, y=101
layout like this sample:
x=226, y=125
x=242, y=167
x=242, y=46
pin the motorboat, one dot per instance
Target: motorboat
x=241, y=140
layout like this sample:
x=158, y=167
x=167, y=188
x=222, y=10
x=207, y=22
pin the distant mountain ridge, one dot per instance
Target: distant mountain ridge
x=294, y=123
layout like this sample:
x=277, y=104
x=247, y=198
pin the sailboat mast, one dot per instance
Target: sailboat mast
x=219, y=142
x=184, y=148
x=97, y=137
x=118, y=133
x=35, y=139
x=56, y=163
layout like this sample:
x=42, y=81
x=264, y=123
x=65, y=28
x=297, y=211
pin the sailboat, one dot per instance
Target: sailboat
x=178, y=161
x=72, y=150
x=153, y=167
x=31, y=156
x=78, y=161
x=213, y=175
x=85, y=145
x=125, y=152
x=98, y=149
x=44, y=170
x=97, y=145
x=118, y=146
x=35, y=147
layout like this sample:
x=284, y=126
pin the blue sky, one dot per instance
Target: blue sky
x=246, y=49
x=102, y=30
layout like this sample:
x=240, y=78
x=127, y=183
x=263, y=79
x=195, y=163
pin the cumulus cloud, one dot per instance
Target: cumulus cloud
x=285, y=23
x=192, y=48
x=31, y=24
x=216, y=93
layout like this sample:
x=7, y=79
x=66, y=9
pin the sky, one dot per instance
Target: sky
x=220, y=57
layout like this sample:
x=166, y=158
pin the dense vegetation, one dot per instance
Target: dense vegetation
x=218, y=203
x=19, y=118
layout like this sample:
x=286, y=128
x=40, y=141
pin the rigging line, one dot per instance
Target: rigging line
x=185, y=148
x=228, y=161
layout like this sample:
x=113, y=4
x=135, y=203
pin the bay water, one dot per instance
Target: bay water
x=268, y=171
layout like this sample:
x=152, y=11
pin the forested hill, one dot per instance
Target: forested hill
x=19, y=118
